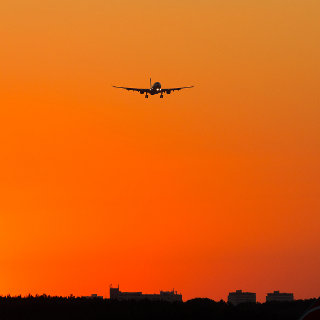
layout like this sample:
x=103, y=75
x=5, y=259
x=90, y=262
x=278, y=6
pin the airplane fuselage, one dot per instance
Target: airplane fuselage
x=155, y=88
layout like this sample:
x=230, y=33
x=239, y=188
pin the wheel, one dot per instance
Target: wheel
x=161, y=96
x=146, y=96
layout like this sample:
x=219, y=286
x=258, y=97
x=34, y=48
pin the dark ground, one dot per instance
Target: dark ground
x=47, y=308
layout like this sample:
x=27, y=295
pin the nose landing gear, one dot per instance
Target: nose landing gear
x=146, y=96
x=161, y=96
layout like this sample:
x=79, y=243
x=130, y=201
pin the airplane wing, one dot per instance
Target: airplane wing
x=133, y=89
x=175, y=89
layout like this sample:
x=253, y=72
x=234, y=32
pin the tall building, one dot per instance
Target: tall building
x=241, y=297
x=170, y=296
x=279, y=296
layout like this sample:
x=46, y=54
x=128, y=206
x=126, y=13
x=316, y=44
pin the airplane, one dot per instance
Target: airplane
x=154, y=89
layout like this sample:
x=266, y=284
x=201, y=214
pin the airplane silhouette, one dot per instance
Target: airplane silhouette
x=154, y=89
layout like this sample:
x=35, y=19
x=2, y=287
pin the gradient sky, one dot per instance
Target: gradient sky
x=208, y=190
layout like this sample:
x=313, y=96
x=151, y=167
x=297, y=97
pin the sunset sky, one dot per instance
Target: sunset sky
x=208, y=190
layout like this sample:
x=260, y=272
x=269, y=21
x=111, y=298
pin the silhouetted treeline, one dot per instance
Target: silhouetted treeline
x=60, y=308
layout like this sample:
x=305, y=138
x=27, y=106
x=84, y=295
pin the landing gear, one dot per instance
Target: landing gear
x=146, y=96
x=161, y=95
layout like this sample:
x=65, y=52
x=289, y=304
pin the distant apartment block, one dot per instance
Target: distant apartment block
x=241, y=297
x=93, y=296
x=170, y=296
x=279, y=296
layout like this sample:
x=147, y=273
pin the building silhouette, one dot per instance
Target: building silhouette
x=170, y=296
x=239, y=296
x=93, y=296
x=279, y=296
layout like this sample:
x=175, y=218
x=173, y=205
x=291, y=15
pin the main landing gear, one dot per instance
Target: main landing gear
x=161, y=95
x=146, y=96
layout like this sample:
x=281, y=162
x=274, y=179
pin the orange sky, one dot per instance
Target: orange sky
x=207, y=190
